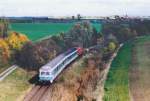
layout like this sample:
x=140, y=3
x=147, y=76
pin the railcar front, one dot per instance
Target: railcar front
x=45, y=75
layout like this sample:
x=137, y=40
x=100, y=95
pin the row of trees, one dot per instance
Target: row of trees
x=120, y=31
x=33, y=56
x=126, y=30
x=82, y=34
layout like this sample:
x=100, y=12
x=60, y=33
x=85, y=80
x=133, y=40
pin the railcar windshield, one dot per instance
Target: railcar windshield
x=45, y=73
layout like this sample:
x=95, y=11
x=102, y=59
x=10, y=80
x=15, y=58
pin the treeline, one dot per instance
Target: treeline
x=33, y=55
x=120, y=31
x=125, y=30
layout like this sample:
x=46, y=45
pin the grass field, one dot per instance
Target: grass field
x=117, y=83
x=140, y=71
x=14, y=86
x=36, y=31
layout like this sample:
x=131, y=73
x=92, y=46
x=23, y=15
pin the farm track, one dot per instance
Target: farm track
x=38, y=93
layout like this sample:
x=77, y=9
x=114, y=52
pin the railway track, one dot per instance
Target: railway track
x=38, y=93
x=41, y=93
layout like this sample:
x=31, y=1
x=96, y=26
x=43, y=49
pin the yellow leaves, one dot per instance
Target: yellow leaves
x=4, y=50
x=3, y=43
x=23, y=38
x=16, y=40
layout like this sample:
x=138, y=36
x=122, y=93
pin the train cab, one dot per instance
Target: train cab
x=45, y=75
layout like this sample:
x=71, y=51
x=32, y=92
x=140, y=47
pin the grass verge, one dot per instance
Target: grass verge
x=4, y=67
x=14, y=85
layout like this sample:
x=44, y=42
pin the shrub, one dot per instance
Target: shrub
x=111, y=46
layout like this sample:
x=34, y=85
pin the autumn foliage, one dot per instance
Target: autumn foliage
x=4, y=51
x=14, y=41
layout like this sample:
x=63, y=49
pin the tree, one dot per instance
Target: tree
x=27, y=57
x=33, y=56
x=81, y=33
x=73, y=17
x=79, y=17
x=95, y=36
x=4, y=51
x=16, y=40
x=4, y=27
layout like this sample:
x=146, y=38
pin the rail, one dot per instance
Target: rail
x=4, y=74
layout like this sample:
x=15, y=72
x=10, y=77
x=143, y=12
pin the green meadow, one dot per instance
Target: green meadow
x=36, y=31
x=117, y=83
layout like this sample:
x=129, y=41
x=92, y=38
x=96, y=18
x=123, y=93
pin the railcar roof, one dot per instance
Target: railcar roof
x=56, y=60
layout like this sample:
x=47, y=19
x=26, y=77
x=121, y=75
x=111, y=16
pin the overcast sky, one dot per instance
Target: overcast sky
x=73, y=7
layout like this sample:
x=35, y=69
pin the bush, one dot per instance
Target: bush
x=111, y=46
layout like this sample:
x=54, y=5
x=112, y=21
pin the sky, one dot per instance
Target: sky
x=74, y=7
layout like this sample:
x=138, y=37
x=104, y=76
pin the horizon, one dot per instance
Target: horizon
x=69, y=16
x=56, y=8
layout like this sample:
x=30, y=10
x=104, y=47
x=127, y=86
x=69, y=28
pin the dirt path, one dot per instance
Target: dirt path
x=139, y=74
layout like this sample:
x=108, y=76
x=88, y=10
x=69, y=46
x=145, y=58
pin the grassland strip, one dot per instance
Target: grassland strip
x=116, y=86
x=140, y=71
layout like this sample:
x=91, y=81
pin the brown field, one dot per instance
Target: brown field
x=139, y=74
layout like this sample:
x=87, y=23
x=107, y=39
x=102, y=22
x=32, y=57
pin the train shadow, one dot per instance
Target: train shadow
x=35, y=80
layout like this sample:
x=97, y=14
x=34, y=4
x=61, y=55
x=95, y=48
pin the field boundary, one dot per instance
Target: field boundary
x=105, y=73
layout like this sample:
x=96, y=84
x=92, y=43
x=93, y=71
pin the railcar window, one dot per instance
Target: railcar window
x=64, y=62
x=42, y=73
x=47, y=73
x=60, y=66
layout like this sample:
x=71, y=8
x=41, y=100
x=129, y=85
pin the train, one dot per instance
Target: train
x=52, y=69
